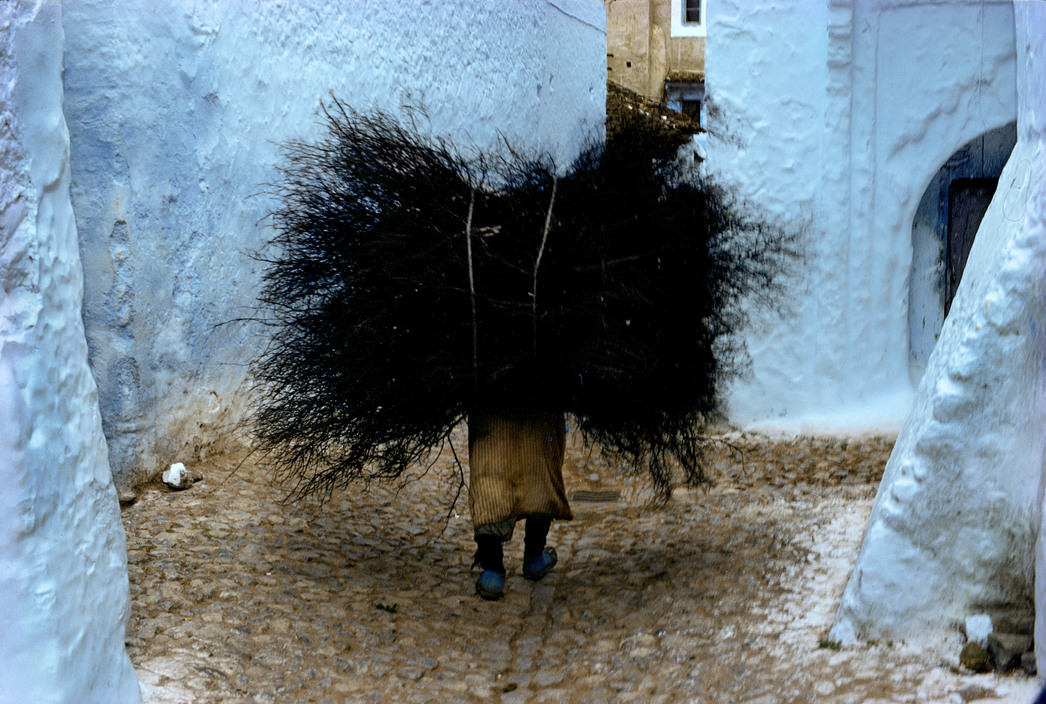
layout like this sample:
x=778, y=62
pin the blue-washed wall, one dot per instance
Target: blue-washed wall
x=176, y=111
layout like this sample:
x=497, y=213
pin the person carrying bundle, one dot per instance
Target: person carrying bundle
x=410, y=287
x=515, y=473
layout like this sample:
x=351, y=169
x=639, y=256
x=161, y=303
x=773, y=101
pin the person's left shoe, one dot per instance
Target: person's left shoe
x=537, y=566
x=491, y=585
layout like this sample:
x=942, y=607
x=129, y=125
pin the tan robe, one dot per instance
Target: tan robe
x=516, y=466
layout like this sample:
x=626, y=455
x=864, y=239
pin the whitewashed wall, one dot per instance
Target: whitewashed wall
x=176, y=110
x=63, y=564
x=834, y=117
x=955, y=524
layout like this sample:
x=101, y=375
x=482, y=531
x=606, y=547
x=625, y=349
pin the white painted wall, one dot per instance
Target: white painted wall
x=176, y=110
x=958, y=513
x=63, y=565
x=834, y=117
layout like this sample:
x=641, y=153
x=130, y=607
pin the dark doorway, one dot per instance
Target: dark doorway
x=968, y=199
x=943, y=230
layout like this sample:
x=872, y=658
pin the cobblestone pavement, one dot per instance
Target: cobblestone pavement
x=725, y=594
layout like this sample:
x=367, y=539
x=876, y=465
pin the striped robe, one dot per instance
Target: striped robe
x=516, y=466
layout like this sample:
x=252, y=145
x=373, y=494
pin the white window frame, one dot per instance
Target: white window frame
x=687, y=29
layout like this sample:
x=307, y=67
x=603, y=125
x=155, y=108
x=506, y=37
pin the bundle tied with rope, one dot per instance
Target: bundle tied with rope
x=407, y=283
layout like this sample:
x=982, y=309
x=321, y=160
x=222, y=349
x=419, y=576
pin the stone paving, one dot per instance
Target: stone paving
x=725, y=594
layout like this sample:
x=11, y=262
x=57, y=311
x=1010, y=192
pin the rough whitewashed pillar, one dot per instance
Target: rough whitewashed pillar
x=63, y=571
x=959, y=511
x=1031, y=76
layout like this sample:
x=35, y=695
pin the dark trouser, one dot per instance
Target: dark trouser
x=490, y=550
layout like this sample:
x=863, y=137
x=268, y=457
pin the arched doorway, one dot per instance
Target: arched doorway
x=943, y=229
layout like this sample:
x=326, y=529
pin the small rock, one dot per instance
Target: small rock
x=545, y=678
x=1028, y=663
x=428, y=663
x=1014, y=621
x=410, y=673
x=974, y=657
x=127, y=497
x=177, y=477
x=978, y=628
x=973, y=692
x=1006, y=649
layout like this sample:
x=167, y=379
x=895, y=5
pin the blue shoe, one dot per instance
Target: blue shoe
x=537, y=566
x=491, y=585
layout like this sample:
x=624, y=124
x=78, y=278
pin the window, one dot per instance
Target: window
x=686, y=97
x=688, y=18
x=692, y=11
x=692, y=109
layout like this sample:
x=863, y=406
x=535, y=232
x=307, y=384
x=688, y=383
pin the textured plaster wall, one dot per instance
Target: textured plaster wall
x=63, y=573
x=834, y=117
x=176, y=111
x=955, y=524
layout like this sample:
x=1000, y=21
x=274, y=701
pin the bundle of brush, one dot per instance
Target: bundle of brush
x=407, y=283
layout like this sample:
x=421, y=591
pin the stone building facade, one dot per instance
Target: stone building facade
x=657, y=48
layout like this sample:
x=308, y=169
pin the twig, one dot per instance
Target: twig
x=461, y=485
x=472, y=293
x=537, y=264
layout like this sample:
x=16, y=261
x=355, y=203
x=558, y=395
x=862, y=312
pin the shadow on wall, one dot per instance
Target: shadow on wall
x=943, y=230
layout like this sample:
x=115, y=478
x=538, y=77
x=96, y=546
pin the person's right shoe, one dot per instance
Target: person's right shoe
x=491, y=585
x=537, y=566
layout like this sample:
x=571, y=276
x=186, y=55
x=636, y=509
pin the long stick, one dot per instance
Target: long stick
x=537, y=263
x=472, y=294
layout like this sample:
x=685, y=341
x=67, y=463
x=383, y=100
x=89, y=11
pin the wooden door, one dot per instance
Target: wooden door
x=968, y=199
